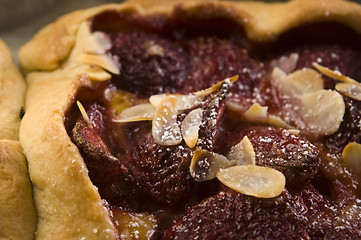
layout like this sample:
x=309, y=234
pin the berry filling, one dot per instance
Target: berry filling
x=148, y=182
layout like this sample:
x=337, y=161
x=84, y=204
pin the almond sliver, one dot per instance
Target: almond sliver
x=104, y=60
x=183, y=101
x=141, y=112
x=333, y=74
x=287, y=63
x=256, y=111
x=243, y=152
x=350, y=90
x=252, y=180
x=165, y=128
x=84, y=114
x=205, y=165
x=97, y=43
x=216, y=86
x=351, y=157
x=190, y=127
x=322, y=111
x=301, y=82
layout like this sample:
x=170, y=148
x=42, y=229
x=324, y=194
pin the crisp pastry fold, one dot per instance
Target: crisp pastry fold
x=17, y=210
x=66, y=57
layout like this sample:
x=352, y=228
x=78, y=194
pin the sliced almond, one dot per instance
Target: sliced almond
x=243, y=152
x=183, y=101
x=256, y=111
x=105, y=61
x=141, y=112
x=350, y=90
x=351, y=157
x=322, y=111
x=236, y=107
x=190, y=127
x=165, y=128
x=333, y=74
x=255, y=114
x=93, y=72
x=301, y=82
x=216, y=86
x=261, y=182
x=278, y=122
x=154, y=49
x=97, y=43
x=277, y=75
x=287, y=63
x=292, y=131
x=97, y=74
x=205, y=165
x=84, y=114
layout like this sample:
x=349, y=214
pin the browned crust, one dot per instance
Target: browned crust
x=17, y=211
x=12, y=87
x=69, y=207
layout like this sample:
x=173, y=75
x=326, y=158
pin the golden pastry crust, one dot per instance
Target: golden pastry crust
x=17, y=211
x=11, y=97
x=68, y=205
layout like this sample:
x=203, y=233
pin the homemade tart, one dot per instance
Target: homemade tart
x=17, y=211
x=196, y=120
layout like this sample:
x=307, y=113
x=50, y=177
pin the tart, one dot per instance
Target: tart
x=17, y=210
x=196, y=119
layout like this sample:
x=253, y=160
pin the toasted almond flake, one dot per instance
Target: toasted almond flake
x=243, y=152
x=322, y=111
x=105, y=61
x=278, y=122
x=97, y=75
x=190, y=127
x=141, y=112
x=154, y=49
x=349, y=89
x=287, y=63
x=301, y=82
x=277, y=75
x=351, y=157
x=235, y=107
x=256, y=111
x=94, y=73
x=97, y=43
x=292, y=131
x=205, y=165
x=252, y=180
x=84, y=114
x=165, y=128
x=183, y=101
x=216, y=86
x=238, y=112
x=333, y=74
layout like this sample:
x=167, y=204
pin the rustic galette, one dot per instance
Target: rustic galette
x=196, y=120
x=17, y=211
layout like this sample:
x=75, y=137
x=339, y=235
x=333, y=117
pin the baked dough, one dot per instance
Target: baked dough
x=17, y=211
x=68, y=205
